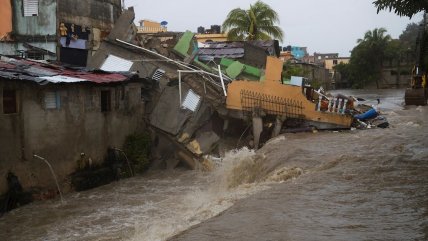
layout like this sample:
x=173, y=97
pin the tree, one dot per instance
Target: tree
x=289, y=69
x=402, y=8
x=375, y=44
x=345, y=74
x=410, y=34
x=256, y=23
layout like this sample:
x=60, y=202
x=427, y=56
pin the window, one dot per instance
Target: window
x=105, y=100
x=31, y=7
x=52, y=100
x=9, y=102
x=334, y=61
x=158, y=74
x=191, y=102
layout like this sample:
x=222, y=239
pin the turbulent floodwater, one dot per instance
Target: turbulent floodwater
x=353, y=185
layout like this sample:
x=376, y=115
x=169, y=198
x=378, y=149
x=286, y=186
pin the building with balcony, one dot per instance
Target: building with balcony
x=149, y=26
x=54, y=29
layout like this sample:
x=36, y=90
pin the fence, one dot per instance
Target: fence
x=272, y=105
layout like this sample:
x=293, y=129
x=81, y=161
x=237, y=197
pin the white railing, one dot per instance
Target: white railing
x=151, y=29
x=335, y=105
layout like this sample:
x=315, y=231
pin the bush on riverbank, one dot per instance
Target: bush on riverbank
x=137, y=148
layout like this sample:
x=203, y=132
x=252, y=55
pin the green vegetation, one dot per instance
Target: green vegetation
x=256, y=23
x=374, y=50
x=137, y=149
x=289, y=69
x=403, y=8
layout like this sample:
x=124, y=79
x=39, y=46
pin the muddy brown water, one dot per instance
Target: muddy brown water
x=353, y=185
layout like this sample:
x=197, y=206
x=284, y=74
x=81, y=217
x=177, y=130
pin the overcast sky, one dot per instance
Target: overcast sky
x=323, y=26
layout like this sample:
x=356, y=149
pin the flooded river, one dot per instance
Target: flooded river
x=353, y=185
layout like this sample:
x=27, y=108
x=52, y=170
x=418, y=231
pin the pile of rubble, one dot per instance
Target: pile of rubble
x=195, y=103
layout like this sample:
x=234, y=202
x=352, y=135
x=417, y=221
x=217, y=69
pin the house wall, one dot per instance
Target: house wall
x=396, y=78
x=95, y=17
x=5, y=18
x=145, y=69
x=254, y=56
x=60, y=135
x=330, y=63
x=319, y=58
x=40, y=26
x=318, y=74
x=298, y=52
x=100, y=14
x=12, y=48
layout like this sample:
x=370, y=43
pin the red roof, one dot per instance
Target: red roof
x=47, y=72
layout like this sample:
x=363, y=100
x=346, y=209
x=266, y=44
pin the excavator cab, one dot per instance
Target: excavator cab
x=417, y=93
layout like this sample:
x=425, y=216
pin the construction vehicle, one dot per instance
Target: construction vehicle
x=417, y=94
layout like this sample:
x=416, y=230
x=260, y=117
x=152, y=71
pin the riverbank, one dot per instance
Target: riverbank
x=351, y=185
x=361, y=185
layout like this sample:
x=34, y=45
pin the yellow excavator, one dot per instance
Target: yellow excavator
x=417, y=94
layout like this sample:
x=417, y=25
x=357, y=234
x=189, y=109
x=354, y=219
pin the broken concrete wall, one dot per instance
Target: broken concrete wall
x=22, y=26
x=41, y=25
x=317, y=73
x=61, y=134
x=124, y=28
x=100, y=14
x=144, y=64
x=168, y=115
x=254, y=55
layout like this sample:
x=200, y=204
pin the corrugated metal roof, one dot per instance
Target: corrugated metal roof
x=116, y=64
x=231, y=53
x=61, y=79
x=43, y=73
x=233, y=50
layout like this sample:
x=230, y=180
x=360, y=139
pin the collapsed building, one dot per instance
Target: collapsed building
x=195, y=100
x=59, y=113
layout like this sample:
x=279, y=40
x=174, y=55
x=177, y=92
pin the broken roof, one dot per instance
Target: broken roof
x=235, y=49
x=44, y=73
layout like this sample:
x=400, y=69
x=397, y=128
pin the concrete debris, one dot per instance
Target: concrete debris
x=190, y=73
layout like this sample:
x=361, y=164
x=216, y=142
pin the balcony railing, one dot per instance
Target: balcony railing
x=151, y=29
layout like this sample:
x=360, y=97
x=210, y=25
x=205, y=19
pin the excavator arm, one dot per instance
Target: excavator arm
x=417, y=94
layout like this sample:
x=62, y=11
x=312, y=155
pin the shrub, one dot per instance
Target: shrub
x=137, y=148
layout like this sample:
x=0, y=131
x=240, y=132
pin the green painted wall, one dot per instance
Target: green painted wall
x=248, y=70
